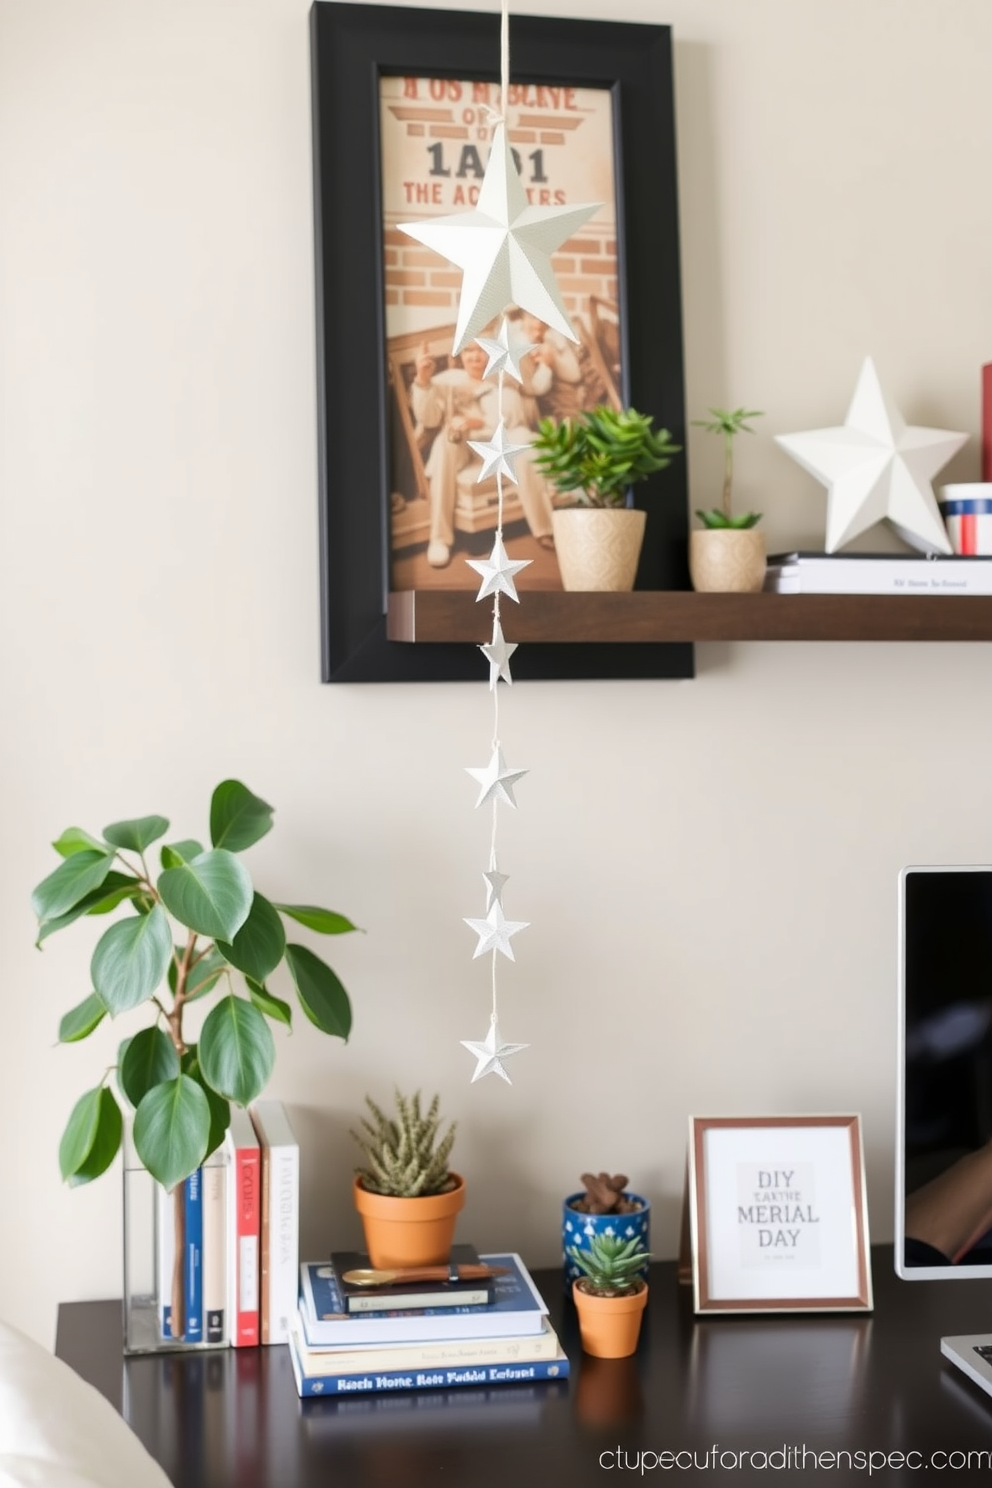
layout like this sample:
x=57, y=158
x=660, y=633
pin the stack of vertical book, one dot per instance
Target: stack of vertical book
x=346, y=1339
x=228, y=1238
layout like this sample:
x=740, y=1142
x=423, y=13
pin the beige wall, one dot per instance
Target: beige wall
x=709, y=866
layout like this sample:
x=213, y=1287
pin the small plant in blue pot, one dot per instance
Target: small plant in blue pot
x=604, y=1208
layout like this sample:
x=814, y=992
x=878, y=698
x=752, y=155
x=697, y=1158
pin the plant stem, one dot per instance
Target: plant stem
x=174, y=1018
x=728, y=472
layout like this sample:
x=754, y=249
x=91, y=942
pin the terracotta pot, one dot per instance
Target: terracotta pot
x=727, y=560
x=610, y=1326
x=598, y=546
x=409, y=1232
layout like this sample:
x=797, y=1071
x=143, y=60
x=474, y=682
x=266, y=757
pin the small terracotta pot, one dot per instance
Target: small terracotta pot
x=409, y=1232
x=727, y=560
x=610, y=1326
x=598, y=547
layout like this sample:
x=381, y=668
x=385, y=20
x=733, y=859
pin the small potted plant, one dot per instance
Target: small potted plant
x=407, y=1196
x=605, y=1206
x=610, y=1295
x=597, y=456
x=727, y=555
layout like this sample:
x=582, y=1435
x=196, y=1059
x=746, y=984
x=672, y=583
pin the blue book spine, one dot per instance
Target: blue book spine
x=193, y=1267
x=428, y=1379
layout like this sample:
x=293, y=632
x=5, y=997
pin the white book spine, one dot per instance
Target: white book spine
x=280, y=1226
x=865, y=576
x=215, y=1249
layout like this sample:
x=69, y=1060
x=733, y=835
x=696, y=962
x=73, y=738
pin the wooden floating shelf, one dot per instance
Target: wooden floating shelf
x=428, y=615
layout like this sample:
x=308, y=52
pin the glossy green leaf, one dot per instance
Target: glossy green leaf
x=81, y=1020
x=237, y=818
x=130, y=960
x=325, y=921
x=149, y=1059
x=106, y=1142
x=138, y=833
x=211, y=895
x=220, y=1109
x=259, y=945
x=174, y=854
x=80, y=1132
x=271, y=1006
x=74, y=840
x=322, y=997
x=171, y=1130
x=70, y=882
x=236, y=1050
x=204, y=976
x=115, y=888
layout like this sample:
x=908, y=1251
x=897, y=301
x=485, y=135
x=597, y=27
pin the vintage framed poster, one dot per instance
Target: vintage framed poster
x=401, y=133
x=778, y=1214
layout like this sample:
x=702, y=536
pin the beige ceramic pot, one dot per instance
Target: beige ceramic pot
x=598, y=546
x=727, y=560
x=409, y=1232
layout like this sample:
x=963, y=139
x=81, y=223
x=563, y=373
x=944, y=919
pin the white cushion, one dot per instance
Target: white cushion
x=56, y=1431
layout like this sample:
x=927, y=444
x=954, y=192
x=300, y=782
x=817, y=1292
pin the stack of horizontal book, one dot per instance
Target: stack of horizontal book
x=348, y=1339
x=876, y=573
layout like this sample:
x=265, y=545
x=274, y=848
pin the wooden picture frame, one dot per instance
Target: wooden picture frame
x=778, y=1214
x=352, y=48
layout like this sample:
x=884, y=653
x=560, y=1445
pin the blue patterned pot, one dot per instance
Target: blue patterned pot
x=577, y=1228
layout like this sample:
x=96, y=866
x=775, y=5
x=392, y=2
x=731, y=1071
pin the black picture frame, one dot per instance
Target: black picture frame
x=352, y=47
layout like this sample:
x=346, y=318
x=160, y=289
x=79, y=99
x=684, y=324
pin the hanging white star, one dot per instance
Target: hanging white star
x=494, y=885
x=875, y=467
x=497, y=454
x=497, y=571
x=503, y=246
x=495, y=780
x=498, y=653
x=491, y=1052
x=506, y=352
x=494, y=932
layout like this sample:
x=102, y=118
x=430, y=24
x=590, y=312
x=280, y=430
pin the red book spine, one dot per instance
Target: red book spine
x=987, y=422
x=247, y=1180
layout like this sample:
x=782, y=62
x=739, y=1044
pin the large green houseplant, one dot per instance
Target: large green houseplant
x=596, y=457
x=230, y=940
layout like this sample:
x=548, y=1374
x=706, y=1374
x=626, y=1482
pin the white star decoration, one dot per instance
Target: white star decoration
x=494, y=885
x=876, y=467
x=490, y=1054
x=494, y=932
x=506, y=352
x=495, y=780
x=497, y=571
x=503, y=246
x=498, y=653
x=497, y=454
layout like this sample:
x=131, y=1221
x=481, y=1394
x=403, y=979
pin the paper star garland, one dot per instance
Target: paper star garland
x=507, y=351
x=503, y=247
x=494, y=932
x=876, y=467
x=498, y=653
x=491, y=1052
x=494, y=885
x=496, y=780
x=497, y=454
x=498, y=570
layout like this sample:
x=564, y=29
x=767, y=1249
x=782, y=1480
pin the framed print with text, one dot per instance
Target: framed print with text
x=401, y=129
x=778, y=1214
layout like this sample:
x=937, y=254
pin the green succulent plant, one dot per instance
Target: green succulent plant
x=728, y=423
x=610, y=1265
x=230, y=940
x=404, y=1156
x=601, y=452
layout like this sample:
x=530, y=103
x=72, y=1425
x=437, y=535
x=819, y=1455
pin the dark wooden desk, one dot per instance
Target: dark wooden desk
x=827, y=1383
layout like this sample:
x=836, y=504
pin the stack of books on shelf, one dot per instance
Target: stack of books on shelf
x=876, y=573
x=227, y=1239
x=348, y=1340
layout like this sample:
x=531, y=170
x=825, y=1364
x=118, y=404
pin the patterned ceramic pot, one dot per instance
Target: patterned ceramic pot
x=598, y=547
x=578, y=1228
x=726, y=560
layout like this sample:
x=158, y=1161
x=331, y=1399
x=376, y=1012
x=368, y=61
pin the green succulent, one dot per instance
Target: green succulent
x=611, y=1265
x=728, y=423
x=601, y=452
x=403, y=1155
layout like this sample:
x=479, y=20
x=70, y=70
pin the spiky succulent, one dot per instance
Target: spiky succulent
x=610, y=1264
x=403, y=1155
